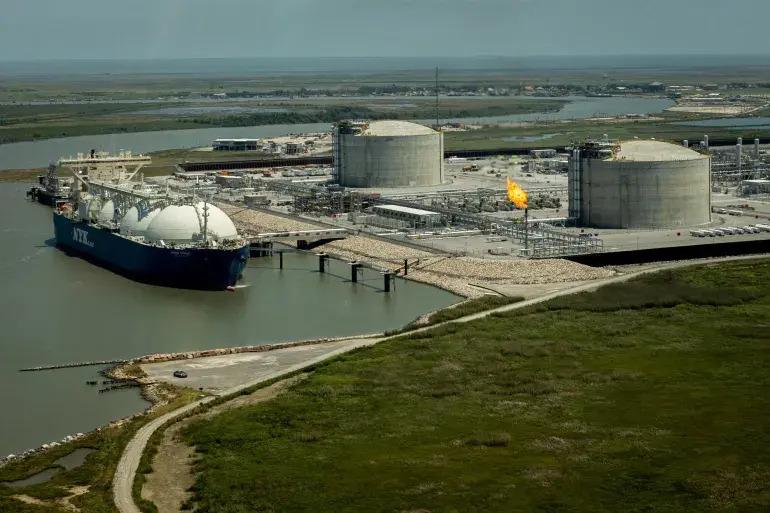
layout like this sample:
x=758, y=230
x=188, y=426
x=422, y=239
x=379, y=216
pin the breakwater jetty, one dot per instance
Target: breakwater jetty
x=72, y=365
x=188, y=355
x=120, y=386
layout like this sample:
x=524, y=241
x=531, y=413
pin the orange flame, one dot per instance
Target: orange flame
x=516, y=194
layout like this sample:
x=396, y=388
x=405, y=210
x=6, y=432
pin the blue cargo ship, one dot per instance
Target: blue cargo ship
x=189, y=267
x=143, y=232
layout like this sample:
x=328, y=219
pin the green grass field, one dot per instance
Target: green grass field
x=468, y=307
x=32, y=122
x=651, y=396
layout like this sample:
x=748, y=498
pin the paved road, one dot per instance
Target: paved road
x=216, y=374
x=129, y=461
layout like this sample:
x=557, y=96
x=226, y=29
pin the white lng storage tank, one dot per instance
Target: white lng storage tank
x=640, y=184
x=387, y=154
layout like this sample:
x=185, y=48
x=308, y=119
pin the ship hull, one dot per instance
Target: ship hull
x=189, y=268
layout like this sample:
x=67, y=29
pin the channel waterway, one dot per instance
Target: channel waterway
x=31, y=154
x=56, y=308
x=582, y=107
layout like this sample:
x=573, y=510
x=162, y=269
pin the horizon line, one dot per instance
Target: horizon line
x=358, y=57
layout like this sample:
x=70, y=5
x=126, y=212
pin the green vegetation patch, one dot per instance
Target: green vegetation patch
x=651, y=405
x=334, y=113
x=77, y=127
x=563, y=133
x=469, y=307
x=34, y=122
x=18, y=114
x=96, y=473
x=664, y=289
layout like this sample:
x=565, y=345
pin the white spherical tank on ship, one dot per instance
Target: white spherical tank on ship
x=135, y=221
x=186, y=223
x=107, y=213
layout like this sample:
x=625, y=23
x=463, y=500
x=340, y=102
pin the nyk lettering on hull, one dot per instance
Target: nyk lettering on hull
x=81, y=236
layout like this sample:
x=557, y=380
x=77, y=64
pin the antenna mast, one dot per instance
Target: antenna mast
x=205, y=219
x=437, y=120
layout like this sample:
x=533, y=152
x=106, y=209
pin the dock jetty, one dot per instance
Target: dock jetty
x=72, y=365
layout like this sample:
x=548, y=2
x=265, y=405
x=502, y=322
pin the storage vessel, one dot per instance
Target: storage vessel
x=148, y=234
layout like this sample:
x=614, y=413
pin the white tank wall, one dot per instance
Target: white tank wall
x=390, y=161
x=629, y=194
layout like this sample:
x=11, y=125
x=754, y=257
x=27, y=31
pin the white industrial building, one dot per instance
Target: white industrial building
x=415, y=217
x=387, y=154
x=639, y=184
x=237, y=144
x=547, y=153
x=756, y=186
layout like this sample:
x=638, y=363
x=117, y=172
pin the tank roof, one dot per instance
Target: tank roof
x=654, y=151
x=392, y=127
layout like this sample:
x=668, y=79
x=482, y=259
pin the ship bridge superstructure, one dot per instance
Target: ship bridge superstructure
x=104, y=167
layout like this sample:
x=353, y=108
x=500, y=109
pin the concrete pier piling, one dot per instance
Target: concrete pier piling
x=388, y=279
x=354, y=267
x=71, y=365
x=260, y=249
x=322, y=258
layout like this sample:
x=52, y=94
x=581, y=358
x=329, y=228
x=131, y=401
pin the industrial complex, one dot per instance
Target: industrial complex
x=390, y=186
x=415, y=257
x=392, y=181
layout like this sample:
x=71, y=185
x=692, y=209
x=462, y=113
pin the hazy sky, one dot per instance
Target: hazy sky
x=92, y=29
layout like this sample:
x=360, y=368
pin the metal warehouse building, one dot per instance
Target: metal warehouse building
x=414, y=216
x=236, y=144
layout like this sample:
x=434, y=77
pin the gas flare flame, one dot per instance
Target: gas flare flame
x=516, y=194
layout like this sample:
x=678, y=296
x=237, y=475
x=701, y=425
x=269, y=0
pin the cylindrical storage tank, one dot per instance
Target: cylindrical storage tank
x=388, y=154
x=646, y=184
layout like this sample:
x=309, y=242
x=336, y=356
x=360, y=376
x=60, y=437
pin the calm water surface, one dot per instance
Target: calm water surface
x=581, y=107
x=55, y=308
x=67, y=462
x=28, y=154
